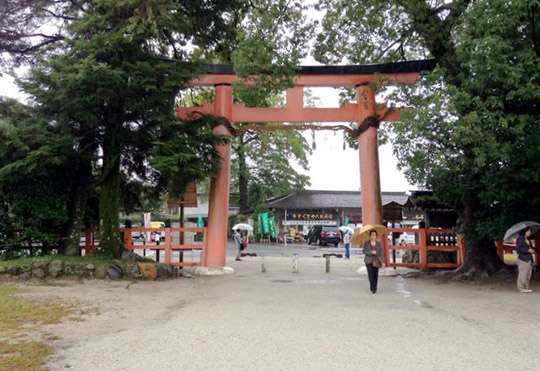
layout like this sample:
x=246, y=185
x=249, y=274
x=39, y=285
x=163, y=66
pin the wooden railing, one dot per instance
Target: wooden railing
x=130, y=243
x=428, y=240
x=168, y=247
x=89, y=244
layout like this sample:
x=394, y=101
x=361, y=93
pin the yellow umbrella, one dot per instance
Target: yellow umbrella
x=362, y=235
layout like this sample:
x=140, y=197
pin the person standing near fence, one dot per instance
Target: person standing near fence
x=239, y=243
x=347, y=243
x=373, y=257
x=525, y=260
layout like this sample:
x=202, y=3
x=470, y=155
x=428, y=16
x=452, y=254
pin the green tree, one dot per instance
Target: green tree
x=112, y=75
x=471, y=135
x=35, y=194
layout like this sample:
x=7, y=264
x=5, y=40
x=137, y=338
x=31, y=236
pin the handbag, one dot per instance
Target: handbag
x=377, y=262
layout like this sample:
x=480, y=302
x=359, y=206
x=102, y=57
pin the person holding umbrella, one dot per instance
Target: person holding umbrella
x=525, y=260
x=373, y=258
x=239, y=244
x=347, y=243
x=373, y=251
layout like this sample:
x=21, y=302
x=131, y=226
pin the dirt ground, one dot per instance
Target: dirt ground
x=309, y=320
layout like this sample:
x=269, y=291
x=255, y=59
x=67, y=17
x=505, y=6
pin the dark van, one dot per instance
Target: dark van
x=323, y=235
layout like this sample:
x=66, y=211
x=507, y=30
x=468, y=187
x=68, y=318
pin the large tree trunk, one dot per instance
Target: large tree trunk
x=109, y=221
x=77, y=207
x=481, y=255
x=242, y=175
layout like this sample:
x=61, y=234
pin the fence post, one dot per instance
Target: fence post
x=88, y=241
x=203, y=258
x=128, y=245
x=462, y=247
x=423, y=248
x=386, y=251
x=167, y=246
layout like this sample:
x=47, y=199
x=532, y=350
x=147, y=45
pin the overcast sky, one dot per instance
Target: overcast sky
x=332, y=168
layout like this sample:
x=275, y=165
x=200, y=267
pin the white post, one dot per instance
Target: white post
x=295, y=263
x=327, y=264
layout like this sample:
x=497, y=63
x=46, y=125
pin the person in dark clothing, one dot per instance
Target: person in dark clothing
x=373, y=257
x=525, y=260
x=239, y=244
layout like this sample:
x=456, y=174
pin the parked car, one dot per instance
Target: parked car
x=323, y=235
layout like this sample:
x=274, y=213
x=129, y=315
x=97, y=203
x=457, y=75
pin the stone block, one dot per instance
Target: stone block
x=162, y=271
x=132, y=271
x=41, y=265
x=56, y=268
x=129, y=257
x=148, y=270
x=114, y=272
x=101, y=271
x=38, y=273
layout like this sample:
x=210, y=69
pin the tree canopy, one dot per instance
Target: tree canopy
x=111, y=80
x=470, y=137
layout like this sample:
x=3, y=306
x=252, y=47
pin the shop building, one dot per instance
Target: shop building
x=303, y=209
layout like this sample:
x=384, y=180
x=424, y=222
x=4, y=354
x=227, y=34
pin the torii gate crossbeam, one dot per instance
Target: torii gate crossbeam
x=366, y=112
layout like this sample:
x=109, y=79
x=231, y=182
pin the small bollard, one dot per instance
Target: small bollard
x=263, y=264
x=327, y=264
x=295, y=263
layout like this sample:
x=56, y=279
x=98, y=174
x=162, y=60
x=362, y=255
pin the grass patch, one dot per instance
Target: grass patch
x=18, y=316
x=23, y=356
x=18, y=312
x=95, y=259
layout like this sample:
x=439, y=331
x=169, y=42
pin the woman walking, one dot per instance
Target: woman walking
x=373, y=257
x=525, y=260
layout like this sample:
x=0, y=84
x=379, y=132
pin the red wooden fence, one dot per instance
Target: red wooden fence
x=167, y=246
x=428, y=240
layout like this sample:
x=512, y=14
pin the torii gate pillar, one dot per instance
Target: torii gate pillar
x=218, y=208
x=370, y=182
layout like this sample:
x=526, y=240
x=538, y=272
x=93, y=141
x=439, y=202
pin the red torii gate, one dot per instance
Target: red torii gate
x=366, y=112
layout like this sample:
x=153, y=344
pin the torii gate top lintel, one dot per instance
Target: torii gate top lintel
x=333, y=76
x=222, y=76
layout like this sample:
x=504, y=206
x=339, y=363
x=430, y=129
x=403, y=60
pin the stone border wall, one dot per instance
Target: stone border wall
x=119, y=269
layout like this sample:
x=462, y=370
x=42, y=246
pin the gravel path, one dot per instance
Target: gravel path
x=306, y=321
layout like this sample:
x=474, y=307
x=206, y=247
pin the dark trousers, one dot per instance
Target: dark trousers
x=373, y=275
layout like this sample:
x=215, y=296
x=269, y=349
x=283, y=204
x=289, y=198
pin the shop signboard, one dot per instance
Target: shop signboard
x=310, y=215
